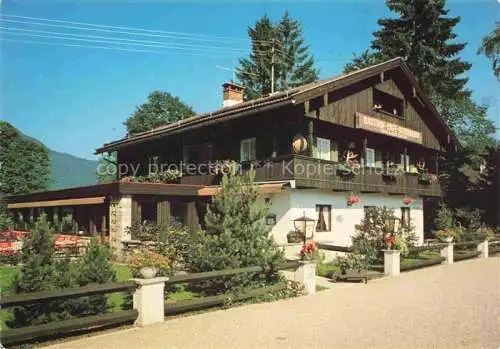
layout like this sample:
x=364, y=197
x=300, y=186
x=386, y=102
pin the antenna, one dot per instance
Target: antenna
x=228, y=69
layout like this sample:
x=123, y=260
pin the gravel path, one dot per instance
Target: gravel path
x=448, y=306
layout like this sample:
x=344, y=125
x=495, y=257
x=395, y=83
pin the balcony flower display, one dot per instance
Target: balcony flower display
x=396, y=242
x=424, y=178
x=408, y=200
x=167, y=176
x=353, y=199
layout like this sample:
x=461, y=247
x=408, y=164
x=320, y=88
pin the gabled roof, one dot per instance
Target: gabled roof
x=276, y=100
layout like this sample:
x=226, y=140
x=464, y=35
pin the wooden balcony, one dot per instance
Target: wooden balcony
x=315, y=173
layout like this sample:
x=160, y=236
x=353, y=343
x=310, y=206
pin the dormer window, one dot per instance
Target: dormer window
x=387, y=104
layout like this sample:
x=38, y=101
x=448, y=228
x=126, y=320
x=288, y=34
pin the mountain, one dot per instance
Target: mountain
x=70, y=171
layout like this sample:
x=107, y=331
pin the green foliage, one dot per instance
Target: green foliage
x=236, y=236
x=422, y=34
x=490, y=47
x=444, y=218
x=94, y=268
x=368, y=240
x=40, y=272
x=106, y=171
x=25, y=163
x=283, y=44
x=326, y=269
x=161, y=108
x=171, y=239
x=6, y=221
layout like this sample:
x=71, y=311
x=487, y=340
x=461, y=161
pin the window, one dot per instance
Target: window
x=324, y=213
x=334, y=156
x=370, y=157
x=405, y=217
x=388, y=104
x=323, y=148
x=247, y=150
x=405, y=162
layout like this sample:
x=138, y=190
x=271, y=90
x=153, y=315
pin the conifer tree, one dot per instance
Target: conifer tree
x=236, y=235
x=40, y=272
x=94, y=268
x=279, y=45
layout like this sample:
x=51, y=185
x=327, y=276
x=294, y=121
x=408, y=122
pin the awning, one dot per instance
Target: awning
x=66, y=202
x=266, y=188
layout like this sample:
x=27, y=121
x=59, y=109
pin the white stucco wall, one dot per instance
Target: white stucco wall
x=293, y=203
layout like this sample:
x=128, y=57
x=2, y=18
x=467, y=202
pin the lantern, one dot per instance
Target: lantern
x=299, y=143
x=392, y=224
x=305, y=226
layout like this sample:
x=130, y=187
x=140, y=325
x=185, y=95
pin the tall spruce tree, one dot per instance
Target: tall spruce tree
x=280, y=45
x=490, y=47
x=423, y=35
x=236, y=236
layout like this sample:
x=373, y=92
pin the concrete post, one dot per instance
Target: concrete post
x=306, y=274
x=392, y=262
x=120, y=218
x=483, y=248
x=447, y=253
x=149, y=300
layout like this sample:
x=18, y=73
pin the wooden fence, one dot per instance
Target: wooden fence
x=77, y=325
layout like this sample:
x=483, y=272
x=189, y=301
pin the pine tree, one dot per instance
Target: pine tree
x=295, y=64
x=94, y=268
x=236, y=236
x=490, y=47
x=254, y=72
x=422, y=35
x=280, y=45
x=40, y=272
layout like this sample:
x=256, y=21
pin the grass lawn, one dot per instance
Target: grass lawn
x=326, y=269
x=421, y=256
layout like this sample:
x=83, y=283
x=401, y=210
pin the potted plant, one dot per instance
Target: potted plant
x=344, y=169
x=308, y=252
x=446, y=235
x=170, y=176
x=148, y=262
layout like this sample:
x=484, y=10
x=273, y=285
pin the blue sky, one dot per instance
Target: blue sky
x=74, y=99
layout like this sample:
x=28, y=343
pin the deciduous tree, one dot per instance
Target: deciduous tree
x=161, y=108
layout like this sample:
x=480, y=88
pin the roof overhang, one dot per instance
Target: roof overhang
x=65, y=202
x=265, y=188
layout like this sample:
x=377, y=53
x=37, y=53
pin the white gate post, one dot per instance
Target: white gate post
x=483, y=248
x=447, y=253
x=392, y=262
x=149, y=300
x=306, y=274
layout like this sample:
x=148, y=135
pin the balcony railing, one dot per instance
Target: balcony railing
x=316, y=173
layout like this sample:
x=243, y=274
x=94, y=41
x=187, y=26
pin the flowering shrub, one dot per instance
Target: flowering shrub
x=389, y=240
x=309, y=251
x=446, y=233
x=144, y=257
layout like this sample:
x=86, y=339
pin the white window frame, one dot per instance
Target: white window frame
x=405, y=160
x=323, y=148
x=251, y=151
x=326, y=215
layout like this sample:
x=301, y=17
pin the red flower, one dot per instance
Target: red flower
x=389, y=239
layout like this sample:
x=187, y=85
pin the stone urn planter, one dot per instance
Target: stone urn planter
x=148, y=272
x=449, y=239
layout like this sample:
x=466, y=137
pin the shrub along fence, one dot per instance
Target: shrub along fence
x=149, y=304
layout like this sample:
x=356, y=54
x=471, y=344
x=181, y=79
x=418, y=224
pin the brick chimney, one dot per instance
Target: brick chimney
x=232, y=94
